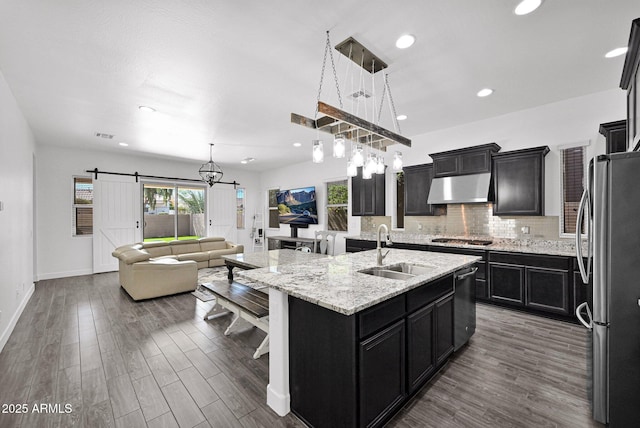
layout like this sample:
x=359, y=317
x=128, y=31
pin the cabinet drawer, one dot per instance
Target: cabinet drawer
x=373, y=319
x=542, y=261
x=426, y=294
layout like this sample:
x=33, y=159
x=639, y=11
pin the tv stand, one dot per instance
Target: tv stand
x=294, y=229
x=288, y=242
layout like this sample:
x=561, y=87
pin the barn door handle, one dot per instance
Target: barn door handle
x=209, y=222
x=137, y=224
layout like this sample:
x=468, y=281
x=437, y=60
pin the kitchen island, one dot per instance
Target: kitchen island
x=349, y=348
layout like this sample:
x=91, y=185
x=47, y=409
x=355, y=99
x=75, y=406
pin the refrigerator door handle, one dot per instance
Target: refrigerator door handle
x=584, y=202
x=588, y=324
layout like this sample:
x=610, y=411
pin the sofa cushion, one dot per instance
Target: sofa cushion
x=198, y=257
x=157, y=249
x=212, y=243
x=215, y=254
x=134, y=256
x=186, y=246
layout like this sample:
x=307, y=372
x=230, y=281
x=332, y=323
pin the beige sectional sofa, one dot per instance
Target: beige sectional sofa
x=154, y=269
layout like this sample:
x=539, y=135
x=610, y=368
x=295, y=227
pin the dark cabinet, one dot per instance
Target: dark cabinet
x=540, y=283
x=421, y=360
x=367, y=196
x=471, y=160
x=417, y=182
x=615, y=134
x=518, y=182
x=444, y=329
x=630, y=82
x=357, y=245
x=507, y=283
x=382, y=374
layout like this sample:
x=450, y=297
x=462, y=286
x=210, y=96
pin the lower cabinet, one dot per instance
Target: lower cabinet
x=364, y=367
x=541, y=283
x=382, y=374
x=356, y=245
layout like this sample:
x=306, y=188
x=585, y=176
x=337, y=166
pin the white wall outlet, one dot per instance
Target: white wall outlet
x=419, y=226
x=525, y=230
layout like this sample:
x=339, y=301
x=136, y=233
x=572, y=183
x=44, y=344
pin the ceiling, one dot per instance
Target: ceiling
x=232, y=72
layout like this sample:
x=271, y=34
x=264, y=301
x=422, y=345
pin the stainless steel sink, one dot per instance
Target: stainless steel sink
x=410, y=268
x=402, y=271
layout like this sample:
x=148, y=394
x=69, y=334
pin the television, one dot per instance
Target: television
x=297, y=207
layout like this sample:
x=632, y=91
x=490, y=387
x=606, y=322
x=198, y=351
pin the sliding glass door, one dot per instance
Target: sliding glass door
x=173, y=211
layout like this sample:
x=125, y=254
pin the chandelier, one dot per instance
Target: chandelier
x=210, y=172
x=366, y=138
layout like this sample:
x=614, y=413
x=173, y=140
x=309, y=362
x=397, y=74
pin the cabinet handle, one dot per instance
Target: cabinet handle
x=465, y=275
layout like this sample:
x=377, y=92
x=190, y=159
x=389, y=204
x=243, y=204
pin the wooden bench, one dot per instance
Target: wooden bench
x=244, y=303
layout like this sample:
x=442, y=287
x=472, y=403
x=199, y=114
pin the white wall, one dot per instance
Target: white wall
x=558, y=124
x=310, y=174
x=16, y=217
x=60, y=254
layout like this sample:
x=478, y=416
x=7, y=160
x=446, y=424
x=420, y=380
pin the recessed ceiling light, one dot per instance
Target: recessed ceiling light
x=402, y=117
x=405, y=41
x=527, y=6
x=297, y=144
x=147, y=109
x=484, y=92
x=616, y=52
x=124, y=144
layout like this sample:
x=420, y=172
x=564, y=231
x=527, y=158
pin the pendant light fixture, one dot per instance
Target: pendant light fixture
x=347, y=126
x=210, y=172
x=318, y=151
x=339, y=148
x=397, y=161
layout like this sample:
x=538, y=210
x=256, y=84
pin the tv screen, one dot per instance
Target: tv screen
x=297, y=206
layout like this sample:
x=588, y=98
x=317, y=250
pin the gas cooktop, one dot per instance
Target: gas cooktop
x=462, y=241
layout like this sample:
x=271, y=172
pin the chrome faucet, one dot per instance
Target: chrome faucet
x=381, y=257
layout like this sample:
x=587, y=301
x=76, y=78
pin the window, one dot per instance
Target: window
x=82, y=206
x=163, y=222
x=337, y=202
x=274, y=222
x=400, y=200
x=572, y=160
x=240, y=208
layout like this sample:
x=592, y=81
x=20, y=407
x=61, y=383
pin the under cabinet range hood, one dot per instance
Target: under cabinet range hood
x=460, y=189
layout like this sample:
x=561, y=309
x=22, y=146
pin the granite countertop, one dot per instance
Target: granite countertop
x=533, y=246
x=336, y=283
x=272, y=258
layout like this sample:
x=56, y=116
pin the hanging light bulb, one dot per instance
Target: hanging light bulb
x=352, y=169
x=380, y=165
x=358, y=156
x=318, y=151
x=370, y=166
x=338, y=146
x=397, y=161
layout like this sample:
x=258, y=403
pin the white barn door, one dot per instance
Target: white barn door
x=222, y=213
x=116, y=218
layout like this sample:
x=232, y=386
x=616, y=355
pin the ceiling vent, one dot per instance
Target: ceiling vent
x=103, y=135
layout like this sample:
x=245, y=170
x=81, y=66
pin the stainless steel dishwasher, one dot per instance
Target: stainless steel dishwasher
x=464, y=306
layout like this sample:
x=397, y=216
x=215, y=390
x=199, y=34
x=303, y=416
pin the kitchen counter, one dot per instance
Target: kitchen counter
x=335, y=282
x=532, y=246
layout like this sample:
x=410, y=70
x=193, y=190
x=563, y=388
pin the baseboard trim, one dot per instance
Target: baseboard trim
x=16, y=316
x=56, y=275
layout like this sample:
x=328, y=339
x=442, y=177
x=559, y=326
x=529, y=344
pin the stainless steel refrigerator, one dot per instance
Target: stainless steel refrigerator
x=611, y=207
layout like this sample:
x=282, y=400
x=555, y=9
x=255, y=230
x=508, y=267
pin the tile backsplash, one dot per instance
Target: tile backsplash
x=475, y=220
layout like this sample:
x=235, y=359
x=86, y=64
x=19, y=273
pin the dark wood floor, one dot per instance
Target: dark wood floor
x=82, y=341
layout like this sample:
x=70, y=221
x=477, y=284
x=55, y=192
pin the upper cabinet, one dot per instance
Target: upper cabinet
x=630, y=82
x=518, y=182
x=616, y=135
x=471, y=160
x=367, y=196
x=417, y=182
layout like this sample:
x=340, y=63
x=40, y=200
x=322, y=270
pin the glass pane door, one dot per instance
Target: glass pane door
x=159, y=212
x=191, y=203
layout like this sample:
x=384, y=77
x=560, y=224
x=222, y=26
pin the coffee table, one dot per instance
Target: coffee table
x=262, y=259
